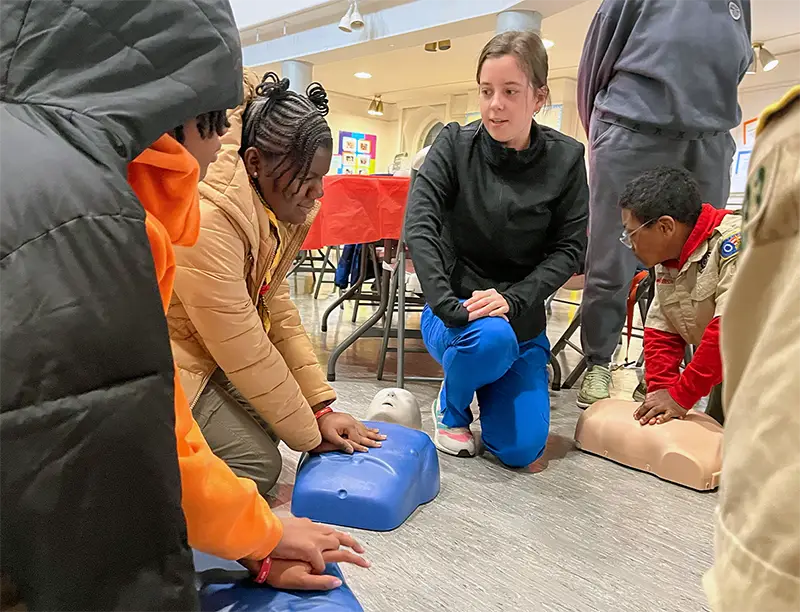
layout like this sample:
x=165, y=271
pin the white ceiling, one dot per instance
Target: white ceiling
x=402, y=70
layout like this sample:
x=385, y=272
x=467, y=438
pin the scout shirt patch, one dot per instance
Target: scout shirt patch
x=770, y=210
x=704, y=261
x=730, y=246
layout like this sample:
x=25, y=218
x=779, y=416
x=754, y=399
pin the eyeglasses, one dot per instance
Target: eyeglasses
x=626, y=235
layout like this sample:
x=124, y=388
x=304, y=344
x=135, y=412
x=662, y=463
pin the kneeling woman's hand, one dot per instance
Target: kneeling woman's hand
x=340, y=431
x=487, y=303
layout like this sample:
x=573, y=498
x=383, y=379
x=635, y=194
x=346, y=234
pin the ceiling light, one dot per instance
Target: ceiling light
x=376, y=107
x=430, y=47
x=356, y=21
x=362, y=75
x=768, y=61
x=762, y=59
x=344, y=23
x=548, y=44
x=444, y=45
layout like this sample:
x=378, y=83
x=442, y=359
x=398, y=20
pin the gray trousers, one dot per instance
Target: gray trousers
x=617, y=155
x=236, y=434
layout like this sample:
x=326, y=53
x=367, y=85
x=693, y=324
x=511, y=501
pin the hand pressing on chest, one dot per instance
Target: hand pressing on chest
x=658, y=407
x=488, y=303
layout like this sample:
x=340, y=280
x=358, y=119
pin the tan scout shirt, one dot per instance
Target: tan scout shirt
x=686, y=300
x=757, y=543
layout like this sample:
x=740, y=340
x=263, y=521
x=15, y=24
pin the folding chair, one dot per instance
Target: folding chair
x=641, y=294
x=399, y=301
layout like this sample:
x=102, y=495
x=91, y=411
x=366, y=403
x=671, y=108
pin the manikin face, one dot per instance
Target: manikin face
x=508, y=101
x=395, y=406
x=204, y=150
x=290, y=200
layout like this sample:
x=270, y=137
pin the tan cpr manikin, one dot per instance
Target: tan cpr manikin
x=686, y=451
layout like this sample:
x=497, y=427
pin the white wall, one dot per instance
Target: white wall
x=349, y=114
x=249, y=12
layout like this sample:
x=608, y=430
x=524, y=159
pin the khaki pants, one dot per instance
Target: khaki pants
x=236, y=434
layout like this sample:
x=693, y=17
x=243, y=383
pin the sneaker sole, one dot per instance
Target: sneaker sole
x=463, y=453
x=583, y=405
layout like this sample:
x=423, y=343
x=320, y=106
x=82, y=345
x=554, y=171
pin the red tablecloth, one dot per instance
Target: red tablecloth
x=357, y=209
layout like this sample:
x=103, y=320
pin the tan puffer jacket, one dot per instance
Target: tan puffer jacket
x=213, y=318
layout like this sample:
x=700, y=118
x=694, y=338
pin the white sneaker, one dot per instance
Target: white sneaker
x=457, y=441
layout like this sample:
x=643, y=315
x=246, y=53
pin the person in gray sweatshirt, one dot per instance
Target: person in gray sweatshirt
x=657, y=86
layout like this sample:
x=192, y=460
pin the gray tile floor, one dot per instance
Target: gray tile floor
x=574, y=533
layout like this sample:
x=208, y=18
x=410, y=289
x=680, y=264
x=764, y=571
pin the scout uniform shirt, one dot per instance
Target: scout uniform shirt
x=757, y=533
x=689, y=297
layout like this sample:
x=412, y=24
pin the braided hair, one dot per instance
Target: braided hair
x=207, y=124
x=286, y=126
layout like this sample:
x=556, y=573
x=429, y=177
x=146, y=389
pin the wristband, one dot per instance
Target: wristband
x=263, y=571
x=323, y=412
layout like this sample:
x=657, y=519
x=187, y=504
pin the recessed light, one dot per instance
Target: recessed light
x=362, y=75
x=548, y=44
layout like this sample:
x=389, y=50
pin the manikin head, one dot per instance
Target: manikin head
x=287, y=146
x=395, y=406
x=512, y=85
x=659, y=211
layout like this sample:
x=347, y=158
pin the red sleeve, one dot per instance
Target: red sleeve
x=663, y=353
x=703, y=373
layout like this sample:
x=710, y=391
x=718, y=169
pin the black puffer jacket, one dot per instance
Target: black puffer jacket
x=91, y=496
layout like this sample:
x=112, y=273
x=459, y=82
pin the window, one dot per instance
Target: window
x=432, y=134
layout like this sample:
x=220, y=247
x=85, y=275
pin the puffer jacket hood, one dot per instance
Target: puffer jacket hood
x=90, y=491
x=134, y=69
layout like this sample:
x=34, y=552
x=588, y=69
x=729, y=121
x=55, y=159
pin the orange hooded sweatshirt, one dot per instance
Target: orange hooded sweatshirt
x=225, y=515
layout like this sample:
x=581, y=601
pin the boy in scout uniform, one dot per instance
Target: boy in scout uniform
x=757, y=539
x=694, y=248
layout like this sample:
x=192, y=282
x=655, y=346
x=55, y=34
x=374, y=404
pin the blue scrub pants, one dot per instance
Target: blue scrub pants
x=509, y=377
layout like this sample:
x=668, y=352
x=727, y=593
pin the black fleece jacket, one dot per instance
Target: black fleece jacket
x=484, y=216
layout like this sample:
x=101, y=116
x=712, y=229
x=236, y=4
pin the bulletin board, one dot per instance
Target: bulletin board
x=551, y=116
x=357, y=153
x=739, y=171
x=749, y=131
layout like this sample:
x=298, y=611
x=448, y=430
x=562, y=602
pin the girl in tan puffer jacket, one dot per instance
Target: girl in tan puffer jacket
x=245, y=361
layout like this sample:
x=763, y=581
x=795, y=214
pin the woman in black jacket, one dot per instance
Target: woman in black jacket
x=496, y=223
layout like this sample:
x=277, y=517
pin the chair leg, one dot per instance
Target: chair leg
x=362, y=273
x=555, y=384
x=401, y=315
x=575, y=374
x=548, y=305
x=387, y=327
x=325, y=263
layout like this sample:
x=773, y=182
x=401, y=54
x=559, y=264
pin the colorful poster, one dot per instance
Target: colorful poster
x=348, y=145
x=357, y=152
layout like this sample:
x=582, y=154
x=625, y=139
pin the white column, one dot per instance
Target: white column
x=519, y=20
x=300, y=74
